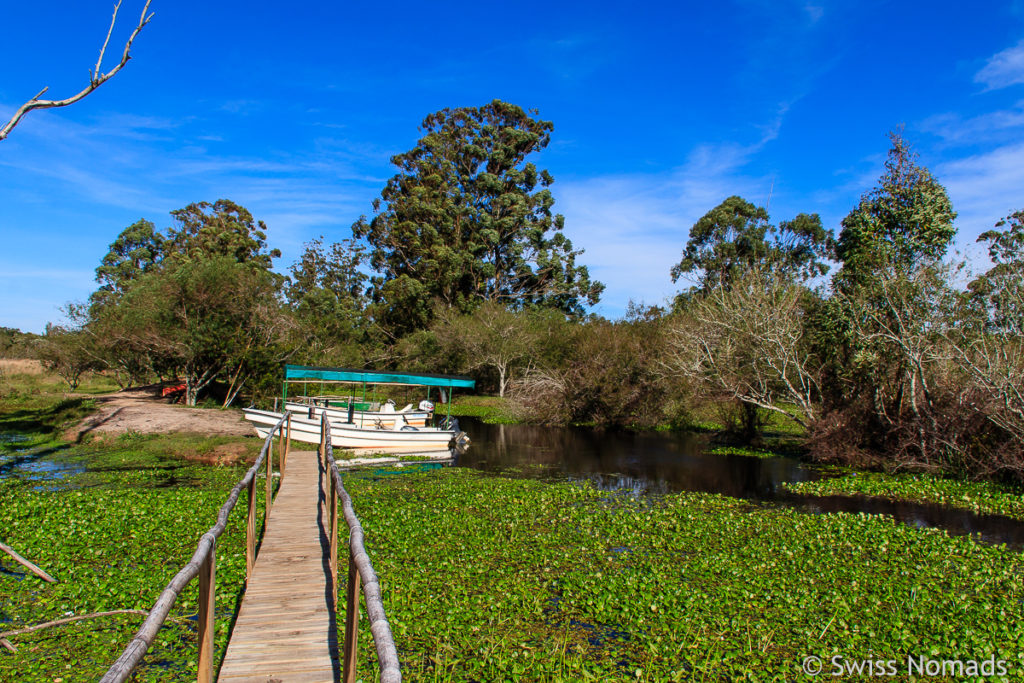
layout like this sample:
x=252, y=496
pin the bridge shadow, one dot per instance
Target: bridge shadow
x=323, y=522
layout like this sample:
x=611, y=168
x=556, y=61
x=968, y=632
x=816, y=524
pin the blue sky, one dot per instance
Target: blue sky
x=661, y=111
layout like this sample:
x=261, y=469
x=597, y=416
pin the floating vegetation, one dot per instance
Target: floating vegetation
x=747, y=452
x=112, y=521
x=488, y=578
x=980, y=497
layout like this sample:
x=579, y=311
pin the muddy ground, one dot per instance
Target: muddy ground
x=143, y=410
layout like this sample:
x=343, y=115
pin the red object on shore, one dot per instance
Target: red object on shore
x=167, y=391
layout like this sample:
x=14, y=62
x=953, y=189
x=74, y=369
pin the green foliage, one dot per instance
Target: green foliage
x=326, y=292
x=903, y=223
x=136, y=250
x=747, y=452
x=602, y=373
x=490, y=409
x=121, y=541
x=469, y=219
x=221, y=229
x=892, y=393
x=17, y=344
x=537, y=581
x=980, y=497
x=113, y=521
x=1001, y=289
x=69, y=353
x=736, y=236
x=204, y=317
x=493, y=338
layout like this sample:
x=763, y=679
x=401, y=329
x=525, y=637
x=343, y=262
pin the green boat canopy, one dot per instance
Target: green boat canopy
x=307, y=373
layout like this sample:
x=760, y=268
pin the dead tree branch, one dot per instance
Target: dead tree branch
x=68, y=620
x=25, y=563
x=96, y=76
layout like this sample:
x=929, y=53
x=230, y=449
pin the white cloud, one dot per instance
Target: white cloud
x=991, y=126
x=633, y=228
x=1003, y=69
x=814, y=12
x=984, y=188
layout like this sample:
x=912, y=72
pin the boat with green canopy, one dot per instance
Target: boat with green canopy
x=364, y=415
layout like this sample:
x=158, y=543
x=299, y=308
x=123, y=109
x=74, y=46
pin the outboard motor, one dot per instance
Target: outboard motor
x=351, y=412
x=449, y=422
x=310, y=412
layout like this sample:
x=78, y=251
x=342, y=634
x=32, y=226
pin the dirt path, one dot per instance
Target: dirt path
x=142, y=410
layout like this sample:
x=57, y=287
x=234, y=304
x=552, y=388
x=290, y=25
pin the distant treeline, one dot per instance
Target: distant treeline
x=464, y=268
x=17, y=344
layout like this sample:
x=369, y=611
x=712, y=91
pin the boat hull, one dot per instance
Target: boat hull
x=353, y=437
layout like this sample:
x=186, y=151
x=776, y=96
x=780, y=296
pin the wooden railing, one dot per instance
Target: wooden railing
x=360, y=570
x=204, y=563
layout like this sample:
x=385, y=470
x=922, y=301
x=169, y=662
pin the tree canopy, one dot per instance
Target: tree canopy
x=468, y=219
x=137, y=249
x=219, y=229
x=736, y=236
x=906, y=220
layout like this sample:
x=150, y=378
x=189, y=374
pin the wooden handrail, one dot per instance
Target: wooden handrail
x=203, y=564
x=360, y=570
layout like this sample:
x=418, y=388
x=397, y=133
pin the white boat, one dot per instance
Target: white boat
x=373, y=428
x=347, y=436
x=383, y=416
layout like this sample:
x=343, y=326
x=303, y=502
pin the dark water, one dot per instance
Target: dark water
x=658, y=463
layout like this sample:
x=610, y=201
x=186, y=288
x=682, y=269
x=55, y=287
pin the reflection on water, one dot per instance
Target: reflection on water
x=640, y=462
x=662, y=462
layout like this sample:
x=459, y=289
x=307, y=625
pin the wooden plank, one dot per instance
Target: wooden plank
x=285, y=629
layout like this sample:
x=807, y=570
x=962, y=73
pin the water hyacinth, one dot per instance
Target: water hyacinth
x=980, y=497
x=500, y=579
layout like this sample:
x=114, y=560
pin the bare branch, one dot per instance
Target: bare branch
x=99, y=61
x=96, y=78
x=26, y=563
x=69, y=620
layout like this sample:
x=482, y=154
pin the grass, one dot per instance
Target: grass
x=980, y=497
x=26, y=379
x=492, y=579
x=489, y=409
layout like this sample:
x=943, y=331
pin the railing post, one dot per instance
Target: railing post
x=250, y=530
x=270, y=485
x=280, y=451
x=207, y=614
x=351, y=619
x=334, y=537
x=287, y=445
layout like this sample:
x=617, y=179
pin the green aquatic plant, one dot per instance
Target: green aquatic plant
x=113, y=526
x=981, y=497
x=488, y=578
x=748, y=452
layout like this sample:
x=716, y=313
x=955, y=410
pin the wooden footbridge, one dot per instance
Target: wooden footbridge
x=286, y=626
